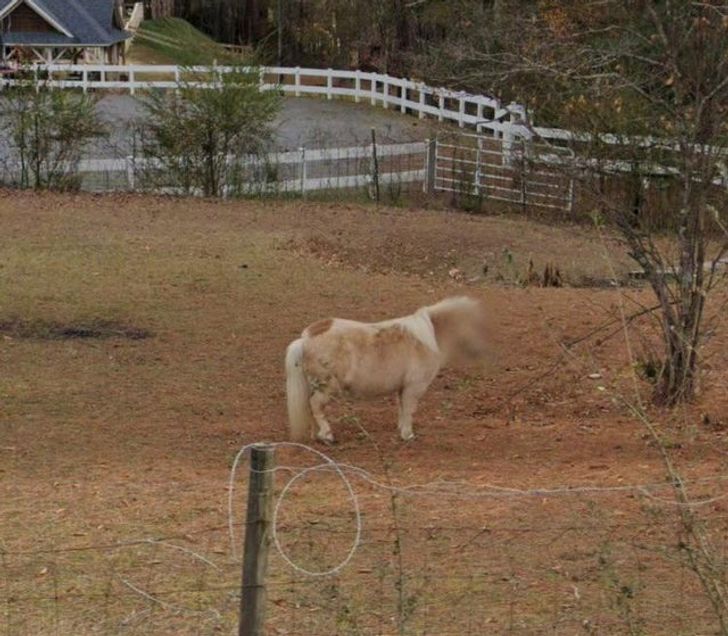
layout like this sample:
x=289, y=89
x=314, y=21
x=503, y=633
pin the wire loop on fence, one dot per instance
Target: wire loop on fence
x=328, y=464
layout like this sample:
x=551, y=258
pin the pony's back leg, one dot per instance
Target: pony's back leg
x=318, y=401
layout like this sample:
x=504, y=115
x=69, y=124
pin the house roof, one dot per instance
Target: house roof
x=76, y=23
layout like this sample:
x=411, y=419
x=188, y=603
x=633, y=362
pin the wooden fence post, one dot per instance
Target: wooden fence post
x=524, y=177
x=476, y=176
x=257, y=541
x=130, y=173
x=508, y=140
x=480, y=114
x=570, y=204
x=430, y=168
x=375, y=166
x=304, y=172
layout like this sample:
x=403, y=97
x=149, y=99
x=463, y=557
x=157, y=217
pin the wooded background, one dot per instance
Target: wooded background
x=382, y=35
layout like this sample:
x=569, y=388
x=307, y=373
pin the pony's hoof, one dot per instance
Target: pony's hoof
x=408, y=438
x=326, y=439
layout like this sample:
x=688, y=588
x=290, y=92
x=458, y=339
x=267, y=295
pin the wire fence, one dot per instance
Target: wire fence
x=467, y=169
x=396, y=169
x=358, y=552
x=472, y=168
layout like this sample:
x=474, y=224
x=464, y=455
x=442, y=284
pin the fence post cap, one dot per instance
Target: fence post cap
x=262, y=446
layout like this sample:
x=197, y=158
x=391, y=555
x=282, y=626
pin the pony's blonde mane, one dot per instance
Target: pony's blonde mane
x=419, y=324
x=450, y=304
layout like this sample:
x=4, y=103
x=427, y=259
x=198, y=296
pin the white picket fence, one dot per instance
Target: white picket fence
x=405, y=95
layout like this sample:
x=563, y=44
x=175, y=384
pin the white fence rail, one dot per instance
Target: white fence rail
x=485, y=114
x=405, y=95
x=491, y=169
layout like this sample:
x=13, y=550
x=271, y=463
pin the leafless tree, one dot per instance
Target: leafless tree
x=654, y=75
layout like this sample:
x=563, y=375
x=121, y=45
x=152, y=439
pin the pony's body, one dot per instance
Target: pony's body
x=366, y=360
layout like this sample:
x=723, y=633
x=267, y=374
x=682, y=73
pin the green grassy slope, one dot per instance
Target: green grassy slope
x=175, y=41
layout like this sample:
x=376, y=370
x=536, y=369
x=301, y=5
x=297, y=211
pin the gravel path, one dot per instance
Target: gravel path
x=308, y=122
x=302, y=122
x=313, y=123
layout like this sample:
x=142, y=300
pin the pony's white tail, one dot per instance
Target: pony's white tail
x=300, y=417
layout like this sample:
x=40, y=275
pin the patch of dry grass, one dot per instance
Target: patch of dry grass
x=115, y=439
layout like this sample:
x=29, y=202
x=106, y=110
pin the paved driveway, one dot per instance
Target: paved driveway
x=309, y=122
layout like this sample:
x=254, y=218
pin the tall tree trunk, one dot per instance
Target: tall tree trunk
x=679, y=378
x=160, y=8
x=251, y=21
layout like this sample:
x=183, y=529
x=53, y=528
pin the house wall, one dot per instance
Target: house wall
x=23, y=18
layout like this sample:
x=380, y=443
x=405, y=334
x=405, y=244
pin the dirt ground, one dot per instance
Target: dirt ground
x=141, y=344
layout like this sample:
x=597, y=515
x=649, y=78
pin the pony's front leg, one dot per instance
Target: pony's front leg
x=408, y=399
x=318, y=401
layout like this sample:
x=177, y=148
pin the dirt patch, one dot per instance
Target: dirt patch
x=461, y=247
x=92, y=330
x=116, y=442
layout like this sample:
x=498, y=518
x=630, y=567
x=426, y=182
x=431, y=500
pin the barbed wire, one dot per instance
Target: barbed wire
x=485, y=490
x=348, y=473
x=100, y=547
x=436, y=488
x=153, y=597
x=428, y=528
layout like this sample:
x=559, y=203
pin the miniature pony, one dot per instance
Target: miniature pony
x=401, y=356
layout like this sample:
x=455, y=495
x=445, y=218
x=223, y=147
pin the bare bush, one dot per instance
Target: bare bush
x=47, y=132
x=201, y=140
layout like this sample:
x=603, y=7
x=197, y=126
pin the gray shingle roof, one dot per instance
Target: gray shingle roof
x=89, y=21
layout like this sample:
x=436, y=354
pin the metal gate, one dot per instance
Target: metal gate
x=513, y=170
